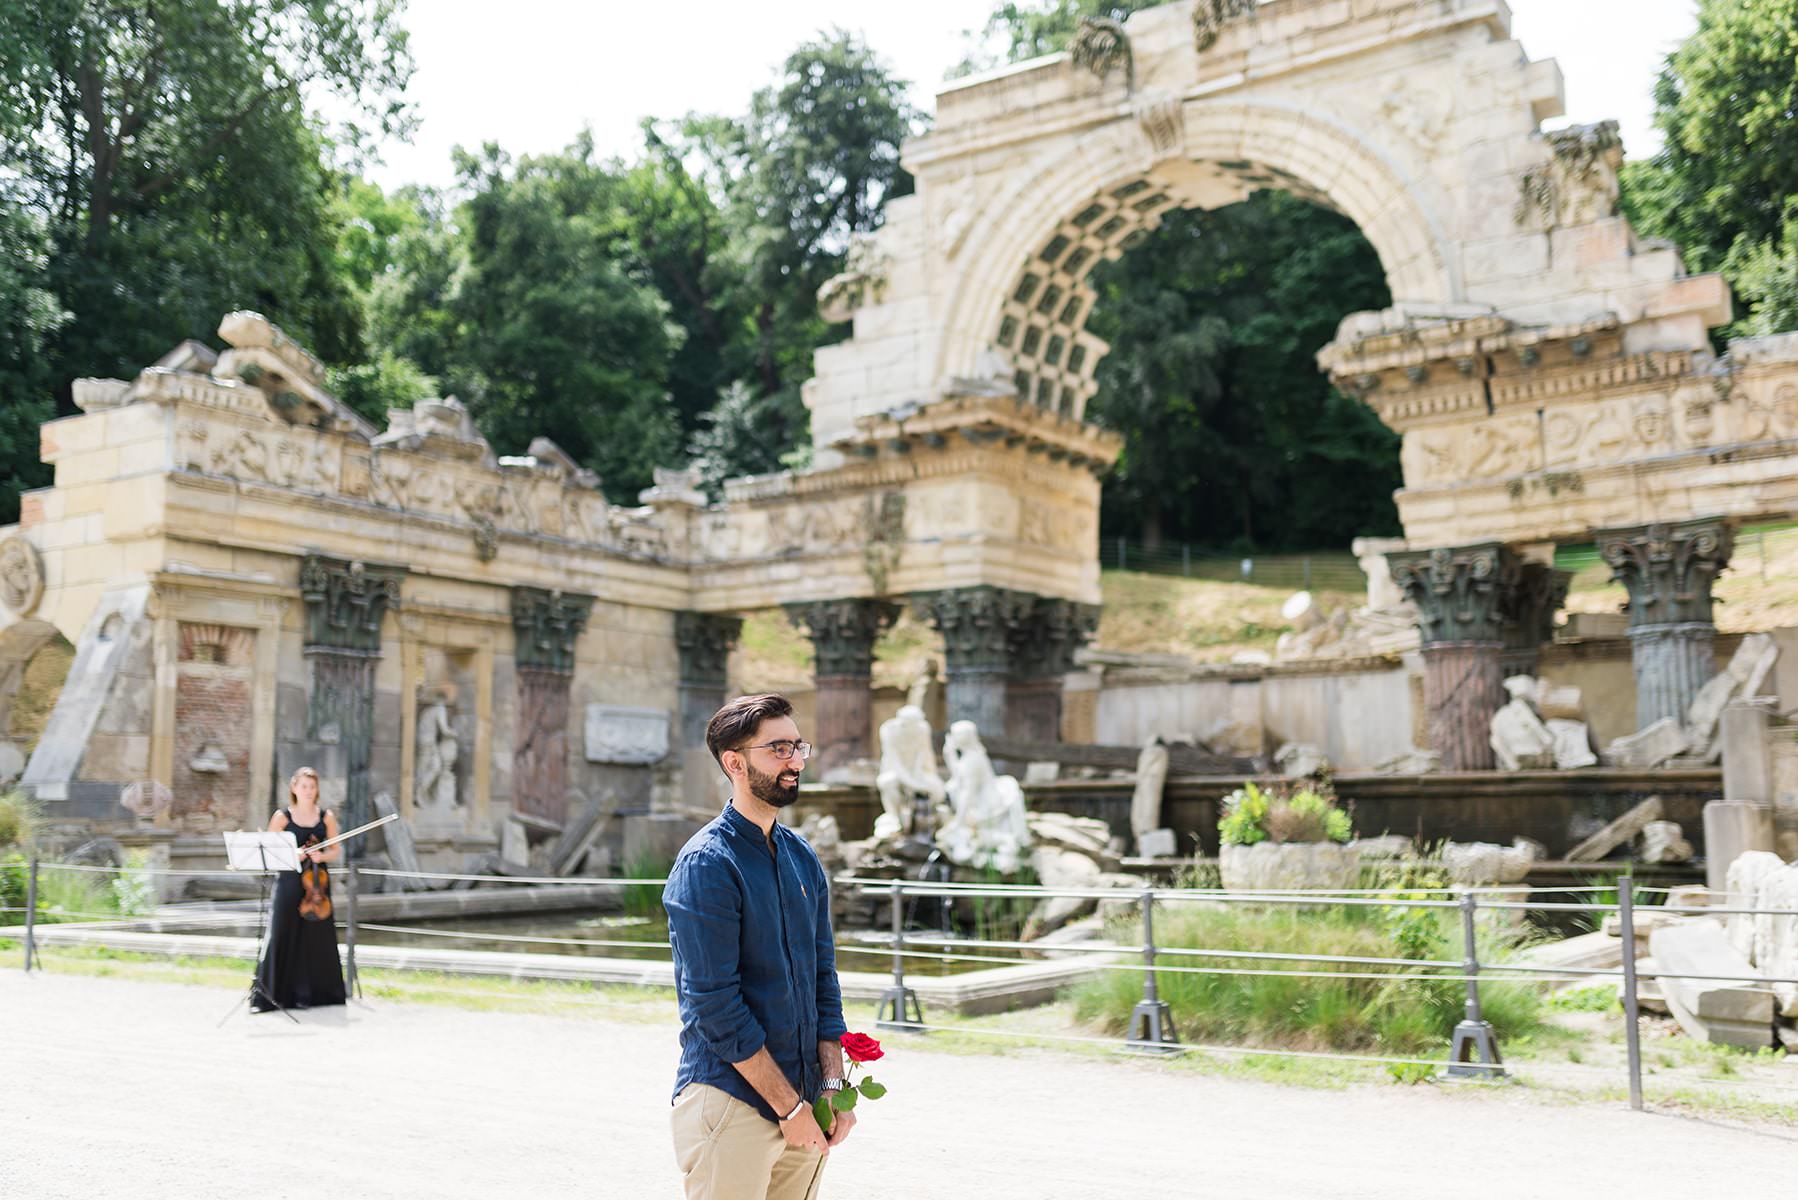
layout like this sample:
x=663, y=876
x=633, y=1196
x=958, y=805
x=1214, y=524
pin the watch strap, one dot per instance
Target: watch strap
x=833, y=1084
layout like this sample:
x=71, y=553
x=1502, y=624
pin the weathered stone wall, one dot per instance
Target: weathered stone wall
x=214, y=689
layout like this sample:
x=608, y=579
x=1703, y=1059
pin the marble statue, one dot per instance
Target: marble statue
x=989, y=827
x=438, y=749
x=908, y=771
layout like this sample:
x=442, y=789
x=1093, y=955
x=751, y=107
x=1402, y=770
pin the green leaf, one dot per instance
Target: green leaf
x=821, y=1110
x=845, y=1100
x=872, y=1090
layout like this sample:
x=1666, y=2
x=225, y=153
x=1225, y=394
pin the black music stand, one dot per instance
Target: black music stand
x=264, y=853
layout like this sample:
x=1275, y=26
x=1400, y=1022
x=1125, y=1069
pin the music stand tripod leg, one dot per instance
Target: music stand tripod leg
x=256, y=988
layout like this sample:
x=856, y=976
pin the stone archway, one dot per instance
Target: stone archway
x=20, y=643
x=1417, y=119
x=1028, y=295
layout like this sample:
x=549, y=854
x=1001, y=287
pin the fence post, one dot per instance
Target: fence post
x=1762, y=539
x=899, y=1007
x=352, y=981
x=1151, y=1023
x=1307, y=572
x=1123, y=554
x=1474, y=1052
x=1186, y=559
x=1626, y=926
x=31, y=957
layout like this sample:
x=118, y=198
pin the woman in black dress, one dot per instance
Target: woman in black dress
x=300, y=968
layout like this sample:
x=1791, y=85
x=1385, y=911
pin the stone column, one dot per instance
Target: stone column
x=1529, y=616
x=545, y=627
x=1043, y=643
x=976, y=624
x=345, y=603
x=1668, y=570
x=843, y=633
x=705, y=641
x=1461, y=593
x=1006, y=655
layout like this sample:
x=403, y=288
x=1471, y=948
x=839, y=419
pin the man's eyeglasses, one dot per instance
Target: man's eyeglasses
x=784, y=749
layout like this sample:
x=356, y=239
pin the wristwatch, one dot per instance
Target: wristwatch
x=835, y=1085
x=799, y=1106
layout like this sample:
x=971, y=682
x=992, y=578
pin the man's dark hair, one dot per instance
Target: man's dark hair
x=737, y=721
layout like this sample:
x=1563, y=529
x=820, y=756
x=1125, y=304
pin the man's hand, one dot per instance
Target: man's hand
x=802, y=1131
x=839, y=1129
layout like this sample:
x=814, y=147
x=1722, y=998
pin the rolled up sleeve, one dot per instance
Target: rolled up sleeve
x=705, y=917
x=831, y=1025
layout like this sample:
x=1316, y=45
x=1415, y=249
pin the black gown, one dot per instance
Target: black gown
x=299, y=968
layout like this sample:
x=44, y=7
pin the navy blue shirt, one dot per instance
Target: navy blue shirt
x=754, y=964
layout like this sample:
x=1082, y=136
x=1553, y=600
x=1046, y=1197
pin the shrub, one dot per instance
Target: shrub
x=1309, y=814
x=17, y=817
x=1402, y=1017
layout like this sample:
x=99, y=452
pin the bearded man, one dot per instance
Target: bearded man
x=755, y=974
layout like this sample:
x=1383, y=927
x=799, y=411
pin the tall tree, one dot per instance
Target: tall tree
x=1231, y=435
x=1016, y=31
x=29, y=314
x=1727, y=105
x=556, y=336
x=808, y=168
x=166, y=151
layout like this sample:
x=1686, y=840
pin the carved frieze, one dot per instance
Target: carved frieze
x=345, y=602
x=628, y=736
x=843, y=632
x=1668, y=569
x=1462, y=593
x=546, y=626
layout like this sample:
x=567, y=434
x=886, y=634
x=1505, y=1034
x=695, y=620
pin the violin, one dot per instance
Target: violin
x=315, y=888
x=315, y=881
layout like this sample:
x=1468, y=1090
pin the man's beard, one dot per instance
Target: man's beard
x=768, y=790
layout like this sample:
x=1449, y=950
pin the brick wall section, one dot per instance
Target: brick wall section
x=213, y=689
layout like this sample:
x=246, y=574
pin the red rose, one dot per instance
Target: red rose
x=860, y=1047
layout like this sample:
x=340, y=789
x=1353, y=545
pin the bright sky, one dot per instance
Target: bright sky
x=529, y=73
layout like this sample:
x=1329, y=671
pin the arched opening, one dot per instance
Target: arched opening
x=1234, y=438
x=34, y=662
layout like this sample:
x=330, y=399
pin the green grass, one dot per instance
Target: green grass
x=1404, y=1018
x=645, y=899
x=64, y=895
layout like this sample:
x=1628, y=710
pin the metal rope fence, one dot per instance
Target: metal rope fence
x=1473, y=1052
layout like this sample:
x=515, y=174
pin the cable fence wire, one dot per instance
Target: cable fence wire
x=903, y=945
x=1322, y=571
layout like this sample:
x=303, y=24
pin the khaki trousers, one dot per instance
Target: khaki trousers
x=726, y=1150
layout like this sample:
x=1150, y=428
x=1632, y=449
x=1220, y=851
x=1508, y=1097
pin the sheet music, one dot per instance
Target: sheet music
x=249, y=851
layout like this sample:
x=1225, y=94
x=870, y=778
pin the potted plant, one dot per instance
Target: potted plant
x=1276, y=839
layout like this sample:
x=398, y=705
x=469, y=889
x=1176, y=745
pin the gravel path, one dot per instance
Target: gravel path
x=119, y=1088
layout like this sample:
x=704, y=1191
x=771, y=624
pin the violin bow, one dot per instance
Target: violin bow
x=347, y=834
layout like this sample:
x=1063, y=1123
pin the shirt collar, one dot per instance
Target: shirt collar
x=743, y=825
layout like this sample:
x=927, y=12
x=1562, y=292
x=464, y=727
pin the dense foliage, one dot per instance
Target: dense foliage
x=1723, y=186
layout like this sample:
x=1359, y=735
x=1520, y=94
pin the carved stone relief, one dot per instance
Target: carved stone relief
x=21, y=576
x=630, y=736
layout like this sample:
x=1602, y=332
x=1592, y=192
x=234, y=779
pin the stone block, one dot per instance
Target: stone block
x=1573, y=744
x=1665, y=842
x=1520, y=741
x=1650, y=747
x=1157, y=843
x=1748, y=671
x=1745, y=729
x=1715, y=1010
x=1733, y=828
x=622, y=735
